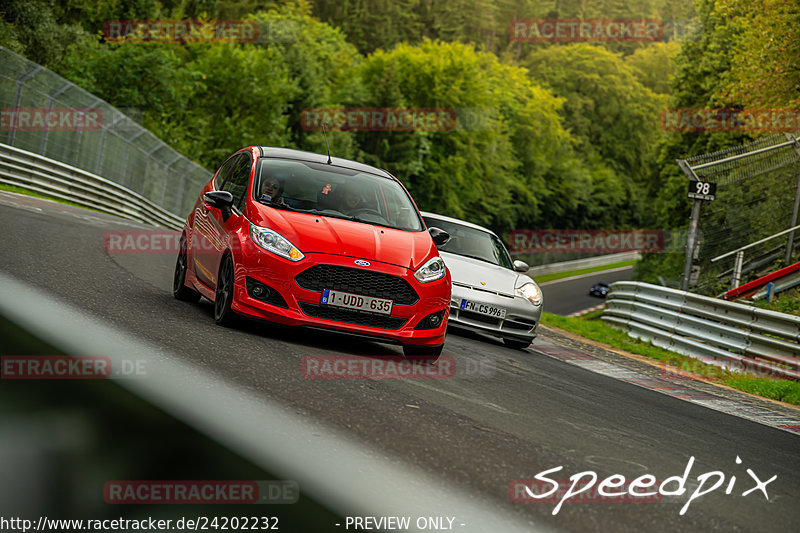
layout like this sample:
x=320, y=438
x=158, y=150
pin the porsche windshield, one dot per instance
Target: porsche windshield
x=333, y=191
x=471, y=242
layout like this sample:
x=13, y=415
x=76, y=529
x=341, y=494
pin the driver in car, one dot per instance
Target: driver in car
x=351, y=200
x=272, y=190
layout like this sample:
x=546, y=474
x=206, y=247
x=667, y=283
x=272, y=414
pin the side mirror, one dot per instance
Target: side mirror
x=439, y=236
x=521, y=266
x=222, y=200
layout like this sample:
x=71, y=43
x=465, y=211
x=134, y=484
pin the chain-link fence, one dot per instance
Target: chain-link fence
x=48, y=115
x=756, y=197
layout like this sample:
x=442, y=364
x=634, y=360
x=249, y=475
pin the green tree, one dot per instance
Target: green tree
x=611, y=114
x=765, y=68
x=320, y=63
x=373, y=24
x=508, y=162
x=243, y=100
x=655, y=65
x=702, y=63
x=32, y=28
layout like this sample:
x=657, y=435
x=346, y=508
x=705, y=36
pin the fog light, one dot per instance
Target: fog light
x=432, y=321
x=258, y=290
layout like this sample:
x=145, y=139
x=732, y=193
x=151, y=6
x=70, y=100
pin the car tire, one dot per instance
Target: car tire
x=516, y=344
x=223, y=297
x=424, y=354
x=179, y=289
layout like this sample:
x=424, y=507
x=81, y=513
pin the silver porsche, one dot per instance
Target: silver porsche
x=491, y=294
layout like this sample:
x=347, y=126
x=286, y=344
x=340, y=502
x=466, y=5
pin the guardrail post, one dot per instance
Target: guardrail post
x=18, y=97
x=770, y=286
x=694, y=222
x=737, y=269
x=795, y=207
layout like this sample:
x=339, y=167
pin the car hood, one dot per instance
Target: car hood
x=319, y=234
x=481, y=274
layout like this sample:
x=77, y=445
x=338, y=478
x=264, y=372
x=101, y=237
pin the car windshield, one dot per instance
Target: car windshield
x=471, y=242
x=337, y=192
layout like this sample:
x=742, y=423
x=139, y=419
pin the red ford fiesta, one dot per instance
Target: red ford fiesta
x=302, y=239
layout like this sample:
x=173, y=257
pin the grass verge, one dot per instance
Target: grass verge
x=788, y=302
x=589, y=270
x=674, y=364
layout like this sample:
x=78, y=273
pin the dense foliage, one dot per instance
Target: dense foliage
x=548, y=135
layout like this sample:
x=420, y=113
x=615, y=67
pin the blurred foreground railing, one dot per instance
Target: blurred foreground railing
x=65, y=439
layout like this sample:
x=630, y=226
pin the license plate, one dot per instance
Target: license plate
x=484, y=309
x=356, y=301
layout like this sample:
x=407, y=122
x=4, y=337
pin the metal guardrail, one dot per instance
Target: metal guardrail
x=566, y=266
x=715, y=331
x=58, y=180
x=114, y=145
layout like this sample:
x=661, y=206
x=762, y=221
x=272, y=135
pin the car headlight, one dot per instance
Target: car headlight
x=531, y=292
x=432, y=270
x=274, y=242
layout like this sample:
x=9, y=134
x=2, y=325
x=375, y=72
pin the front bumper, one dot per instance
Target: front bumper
x=298, y=306
x=520, y=321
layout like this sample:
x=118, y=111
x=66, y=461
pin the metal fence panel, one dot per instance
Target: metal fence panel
x=121, y=150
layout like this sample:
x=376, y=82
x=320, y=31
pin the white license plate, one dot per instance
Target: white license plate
x=356, y=301
x=484, y=309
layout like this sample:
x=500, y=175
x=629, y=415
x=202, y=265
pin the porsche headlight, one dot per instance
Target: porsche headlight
x=274, y=242
x=531, y=292
x=432, y=270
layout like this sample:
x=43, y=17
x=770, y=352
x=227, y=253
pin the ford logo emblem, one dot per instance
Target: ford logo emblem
x=359, y=262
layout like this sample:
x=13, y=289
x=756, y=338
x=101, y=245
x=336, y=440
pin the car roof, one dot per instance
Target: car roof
x=457, y=221
x=300, y=155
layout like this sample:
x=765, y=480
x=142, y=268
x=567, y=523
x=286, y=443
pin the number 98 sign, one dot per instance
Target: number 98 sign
x=702, y=190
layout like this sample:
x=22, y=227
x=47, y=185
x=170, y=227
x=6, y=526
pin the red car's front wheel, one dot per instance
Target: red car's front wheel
x=179, y=289
x=223, y=314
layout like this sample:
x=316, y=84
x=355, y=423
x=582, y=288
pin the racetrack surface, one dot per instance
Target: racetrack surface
x=528, y=413
x=570, y=295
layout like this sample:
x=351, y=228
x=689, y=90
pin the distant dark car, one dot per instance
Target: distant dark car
x=599, y=289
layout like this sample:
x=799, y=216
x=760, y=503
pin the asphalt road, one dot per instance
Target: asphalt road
x=571, y=295
x=529, y=413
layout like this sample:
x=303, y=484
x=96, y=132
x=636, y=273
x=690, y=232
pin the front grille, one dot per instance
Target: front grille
x=352, y=317
x=357, y=281
x=504, y=295
x=519, y=323
x=477, y=317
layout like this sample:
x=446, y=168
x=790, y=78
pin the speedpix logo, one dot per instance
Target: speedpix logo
x=617, y=488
